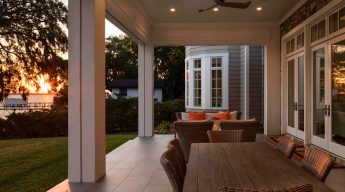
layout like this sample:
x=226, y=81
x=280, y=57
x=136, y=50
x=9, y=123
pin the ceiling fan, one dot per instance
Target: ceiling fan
x=223, y=3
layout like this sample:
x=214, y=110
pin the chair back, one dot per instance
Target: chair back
x=189, y=132
x=249, y=128
x=175, y=145
x=178, y=115
x=171, y=166
x=226, y=136
x=286, y=146
x=299, y=188
x=317, y=162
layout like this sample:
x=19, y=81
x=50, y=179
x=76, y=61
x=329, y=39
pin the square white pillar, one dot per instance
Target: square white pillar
x=86, y=77
x=146, y=90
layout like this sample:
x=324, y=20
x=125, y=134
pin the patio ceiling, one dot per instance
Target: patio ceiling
x=187, y=11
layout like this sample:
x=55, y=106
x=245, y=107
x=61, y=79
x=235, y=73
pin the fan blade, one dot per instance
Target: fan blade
x=202, y=10
x=236, y=5
x=219, y=1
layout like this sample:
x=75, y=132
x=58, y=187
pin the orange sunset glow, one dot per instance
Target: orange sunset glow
x=43, y=84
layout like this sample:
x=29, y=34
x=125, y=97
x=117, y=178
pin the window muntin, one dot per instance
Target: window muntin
x=216, y=87
x=197, y=83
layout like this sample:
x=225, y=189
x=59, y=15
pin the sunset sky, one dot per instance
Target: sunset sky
x=110, y=29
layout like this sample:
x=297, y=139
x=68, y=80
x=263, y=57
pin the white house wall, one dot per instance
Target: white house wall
x=133, y=92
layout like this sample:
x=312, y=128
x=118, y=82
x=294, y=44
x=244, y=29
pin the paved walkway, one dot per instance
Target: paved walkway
x=135, y=167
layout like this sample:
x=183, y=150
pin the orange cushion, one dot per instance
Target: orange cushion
x=197, y=115
x=222, y=116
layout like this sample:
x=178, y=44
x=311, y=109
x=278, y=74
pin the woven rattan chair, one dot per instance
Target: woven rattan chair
x=317, y=162
x=175, y=145
x=299, y=188
x=171, y=166
x=189, y=132
x=179, y=115
x=286, y=146
x=226, y=136
x=249, y=128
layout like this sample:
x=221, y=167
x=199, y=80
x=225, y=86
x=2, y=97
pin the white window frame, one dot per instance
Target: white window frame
x=219, y=68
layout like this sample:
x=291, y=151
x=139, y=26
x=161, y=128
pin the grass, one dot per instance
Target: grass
x=41, y=163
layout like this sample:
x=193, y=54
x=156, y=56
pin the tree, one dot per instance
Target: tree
x=32, y=40
x=122, y=63
x=121, y=58
x=169, y=66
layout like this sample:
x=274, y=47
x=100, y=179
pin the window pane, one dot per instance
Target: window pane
x=288, y=47
x=197, y=63
x=292, y=45
x=342, y=18
x=187, y=65
x=333, y=23
x=314, y=33
x=319, y=93
x=338, y=92
x=321, y=29
x=301, y=93
x=291, y=93
x=216, y=62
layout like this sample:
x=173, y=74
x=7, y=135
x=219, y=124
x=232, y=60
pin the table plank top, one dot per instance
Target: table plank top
x=243, y=165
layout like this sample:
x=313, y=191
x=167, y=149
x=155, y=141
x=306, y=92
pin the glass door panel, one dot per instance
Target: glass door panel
x=338, y=92
x=319, y=93
x=291, y=93
x=300, y=106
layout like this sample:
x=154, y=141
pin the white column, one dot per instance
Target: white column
x=272, y=84
x=146, y=90
x=86, y=106
x=246, y=82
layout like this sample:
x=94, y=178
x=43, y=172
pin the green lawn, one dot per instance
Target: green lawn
x=40, y=164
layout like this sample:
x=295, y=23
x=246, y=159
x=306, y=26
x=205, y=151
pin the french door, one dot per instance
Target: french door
x=328, y=96
x=296, y=95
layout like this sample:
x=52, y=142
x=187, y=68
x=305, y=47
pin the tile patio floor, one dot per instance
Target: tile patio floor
x=135, y=167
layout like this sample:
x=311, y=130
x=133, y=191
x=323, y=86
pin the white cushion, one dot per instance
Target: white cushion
x=184, y=116
x=209, y=116
x=233, y=115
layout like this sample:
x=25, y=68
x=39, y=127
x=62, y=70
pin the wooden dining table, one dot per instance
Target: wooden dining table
x=254, y=165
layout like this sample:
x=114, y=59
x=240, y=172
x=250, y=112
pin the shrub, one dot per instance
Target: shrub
x=121, y=115
x=166, y=111
x=164, y=128
x=47, y=123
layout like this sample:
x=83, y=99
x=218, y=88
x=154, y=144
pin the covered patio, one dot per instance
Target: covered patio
x=151, y=23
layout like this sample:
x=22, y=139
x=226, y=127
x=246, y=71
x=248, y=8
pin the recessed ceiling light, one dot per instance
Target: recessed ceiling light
x=215, y=9
x=172, y=9
x=259, y=8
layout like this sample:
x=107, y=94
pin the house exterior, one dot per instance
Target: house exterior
x=221, y=78
x=129, y=88
x=303, y=42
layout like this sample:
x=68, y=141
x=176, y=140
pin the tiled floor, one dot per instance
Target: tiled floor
x=135, y=167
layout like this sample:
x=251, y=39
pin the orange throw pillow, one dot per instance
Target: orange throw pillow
x=222, y=116
x=197, y=115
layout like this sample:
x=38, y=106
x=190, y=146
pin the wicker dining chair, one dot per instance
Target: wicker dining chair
x=299, y=188
x=317, y=163
x=189, y=132
x=171, y=166
x=226, y=136
x=286, y=146
x=249, y=128
x=175, y=145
